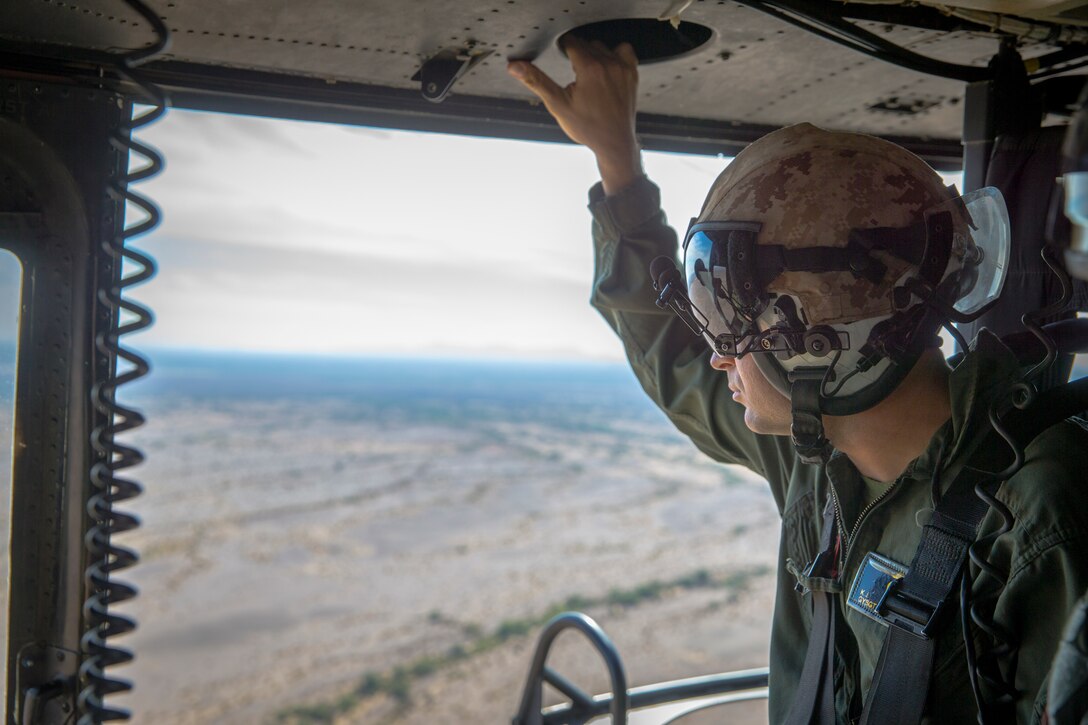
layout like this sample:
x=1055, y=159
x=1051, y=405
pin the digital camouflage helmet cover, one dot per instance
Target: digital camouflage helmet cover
x=835, y=258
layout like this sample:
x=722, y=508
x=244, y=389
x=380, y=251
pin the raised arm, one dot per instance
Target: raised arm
x=629, y=230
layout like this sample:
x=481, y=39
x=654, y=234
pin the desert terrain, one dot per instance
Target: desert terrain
x=383, y=544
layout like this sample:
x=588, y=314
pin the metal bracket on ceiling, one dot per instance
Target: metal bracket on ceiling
x=439, y=72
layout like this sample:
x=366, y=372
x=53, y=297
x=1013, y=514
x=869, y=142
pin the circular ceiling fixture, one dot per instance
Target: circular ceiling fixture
x=654, y=40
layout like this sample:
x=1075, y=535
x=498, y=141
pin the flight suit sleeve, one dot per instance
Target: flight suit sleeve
x=1046, y=556
x=670, y=362
x=1039, y=597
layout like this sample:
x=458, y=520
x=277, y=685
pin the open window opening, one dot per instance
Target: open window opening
x=388, y=439
x=11, y=272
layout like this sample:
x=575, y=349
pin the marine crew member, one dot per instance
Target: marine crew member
x=816, y=277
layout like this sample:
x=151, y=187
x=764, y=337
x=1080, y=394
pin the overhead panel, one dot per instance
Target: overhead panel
x=754, y=71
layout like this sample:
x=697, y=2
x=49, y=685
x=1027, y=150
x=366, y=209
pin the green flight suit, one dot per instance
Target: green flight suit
x=1046, y=552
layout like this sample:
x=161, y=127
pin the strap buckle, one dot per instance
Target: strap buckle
x=818, y=568
x=910, y=613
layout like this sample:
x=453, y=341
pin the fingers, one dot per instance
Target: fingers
x=582, y=56
x=578, y=51
x=626, y=53
x=598, y=109
x=538, y=82
x=581, y=52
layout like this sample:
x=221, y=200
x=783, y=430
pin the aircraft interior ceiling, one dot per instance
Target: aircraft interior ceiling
x=732, y=71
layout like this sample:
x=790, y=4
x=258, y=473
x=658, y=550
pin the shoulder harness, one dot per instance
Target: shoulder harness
x=914, y=605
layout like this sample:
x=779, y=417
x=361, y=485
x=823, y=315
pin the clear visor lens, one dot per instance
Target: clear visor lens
x=706, y=287
x=981, y=243
x=727, y=332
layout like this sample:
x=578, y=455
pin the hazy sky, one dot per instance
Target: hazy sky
x=304, y=237
x=288, y=236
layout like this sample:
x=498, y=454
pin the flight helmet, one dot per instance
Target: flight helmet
x=834, y=258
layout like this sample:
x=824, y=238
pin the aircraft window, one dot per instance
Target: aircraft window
x=10, y=286
x=1080, y=362
x=387, y=438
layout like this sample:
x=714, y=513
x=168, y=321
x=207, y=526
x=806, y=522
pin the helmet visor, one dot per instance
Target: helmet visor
x=728, y=306
x=981, y=244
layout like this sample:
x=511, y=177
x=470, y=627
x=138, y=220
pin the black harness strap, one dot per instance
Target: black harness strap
x=814, y=702
x=913, y=607
x=901, y=681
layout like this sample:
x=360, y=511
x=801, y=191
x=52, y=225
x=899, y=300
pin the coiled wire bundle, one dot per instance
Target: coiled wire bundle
x=992, y=666
x=113, y=457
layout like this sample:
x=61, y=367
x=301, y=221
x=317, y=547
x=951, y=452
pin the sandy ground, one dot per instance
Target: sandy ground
x=688, y=635
x=287, y=552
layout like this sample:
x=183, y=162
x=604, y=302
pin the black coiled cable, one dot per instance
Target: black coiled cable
x=113, y=457
x=994, y=665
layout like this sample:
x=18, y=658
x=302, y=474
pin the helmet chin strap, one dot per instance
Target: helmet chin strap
x=807, y=430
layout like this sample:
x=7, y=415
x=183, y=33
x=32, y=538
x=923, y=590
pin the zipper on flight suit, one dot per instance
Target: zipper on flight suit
x=848, y=540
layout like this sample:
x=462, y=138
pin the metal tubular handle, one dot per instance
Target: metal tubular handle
x=582, y=705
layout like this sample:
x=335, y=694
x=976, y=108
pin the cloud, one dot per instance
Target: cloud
x=329, y=275
x=216, y=295
x=293, y=236
x=216, y=133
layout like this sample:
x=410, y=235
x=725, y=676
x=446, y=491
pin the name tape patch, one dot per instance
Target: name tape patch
x=871, y=583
